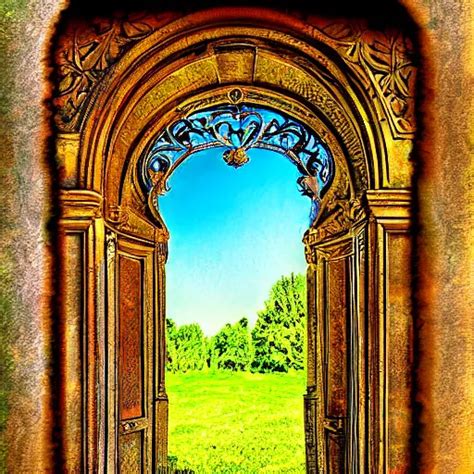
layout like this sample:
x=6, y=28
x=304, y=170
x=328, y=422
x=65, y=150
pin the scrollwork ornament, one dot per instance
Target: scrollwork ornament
x=385, y=62
x=236, y=128
x=339, y=212
x=111, y=246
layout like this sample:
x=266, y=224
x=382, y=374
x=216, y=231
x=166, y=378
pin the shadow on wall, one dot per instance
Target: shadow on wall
x=390, y=14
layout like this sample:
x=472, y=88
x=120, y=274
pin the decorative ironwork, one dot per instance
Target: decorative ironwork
x=236, y=128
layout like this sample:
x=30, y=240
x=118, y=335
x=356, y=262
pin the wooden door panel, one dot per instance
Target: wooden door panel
x=131, y=340
x=334, y=323
x=131, y=453
x=336, y=313
x=336, y=453
x=134, y=325
x=363, y=331
x=336, y=337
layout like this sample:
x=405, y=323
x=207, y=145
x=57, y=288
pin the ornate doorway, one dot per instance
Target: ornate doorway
x=135, y=98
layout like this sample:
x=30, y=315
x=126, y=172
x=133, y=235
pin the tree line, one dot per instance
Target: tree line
x=275, y=344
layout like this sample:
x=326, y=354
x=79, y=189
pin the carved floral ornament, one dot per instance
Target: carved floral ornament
x=234, y=129
x=383, y=61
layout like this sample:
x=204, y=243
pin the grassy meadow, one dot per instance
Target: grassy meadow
x=236, y=422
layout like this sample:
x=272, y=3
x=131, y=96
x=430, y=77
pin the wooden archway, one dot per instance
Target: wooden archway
x=358, y=405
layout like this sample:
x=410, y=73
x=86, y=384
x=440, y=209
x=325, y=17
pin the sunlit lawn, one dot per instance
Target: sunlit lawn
x=224, y=422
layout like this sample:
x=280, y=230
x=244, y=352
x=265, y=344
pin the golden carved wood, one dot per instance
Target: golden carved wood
x=120, y=83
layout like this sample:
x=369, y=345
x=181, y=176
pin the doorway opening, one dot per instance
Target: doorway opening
x=240, y=225
x=236, y=314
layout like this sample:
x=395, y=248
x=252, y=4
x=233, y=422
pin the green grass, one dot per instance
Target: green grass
x=224, y=422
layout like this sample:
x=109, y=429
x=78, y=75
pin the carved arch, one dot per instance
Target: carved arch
x=270, y=64
x=277, y=61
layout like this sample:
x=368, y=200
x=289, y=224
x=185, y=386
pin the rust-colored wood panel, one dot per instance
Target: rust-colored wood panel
x=130, y=338
x=399, y=352
x=335, y=447
x=336, y=338
x=131, y=453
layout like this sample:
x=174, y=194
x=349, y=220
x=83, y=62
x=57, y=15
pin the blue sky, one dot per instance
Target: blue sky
x=234, y=232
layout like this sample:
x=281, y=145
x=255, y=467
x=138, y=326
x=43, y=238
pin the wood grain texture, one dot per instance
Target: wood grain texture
x=131, y=343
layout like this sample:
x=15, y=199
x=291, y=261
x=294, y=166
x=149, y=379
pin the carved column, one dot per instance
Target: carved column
x=390, y=332
x=110, y=335
x=310, y=398
x=161, y=397
x=81, y=330
x=360, y=341
x=334, y=250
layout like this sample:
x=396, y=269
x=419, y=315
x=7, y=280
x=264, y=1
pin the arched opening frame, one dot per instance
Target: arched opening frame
x=278, y=62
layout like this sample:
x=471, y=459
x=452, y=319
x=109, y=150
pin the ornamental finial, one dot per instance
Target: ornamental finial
x=236, y=157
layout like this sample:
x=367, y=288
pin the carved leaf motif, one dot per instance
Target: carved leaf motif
x=343, y=31
x=388, y=59
x=136, y=29
x=86, y=59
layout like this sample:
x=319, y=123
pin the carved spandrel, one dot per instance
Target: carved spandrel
x=384, y=61
x=201, y=73
x=87, y=51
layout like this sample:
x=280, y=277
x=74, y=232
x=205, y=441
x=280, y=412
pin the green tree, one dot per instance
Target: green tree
x=279, y=333
x=231, y=348
x=171, y=353
x=186, y=347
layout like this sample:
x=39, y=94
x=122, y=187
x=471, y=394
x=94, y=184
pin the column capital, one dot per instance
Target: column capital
x=79, y=206
x=390, y=203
